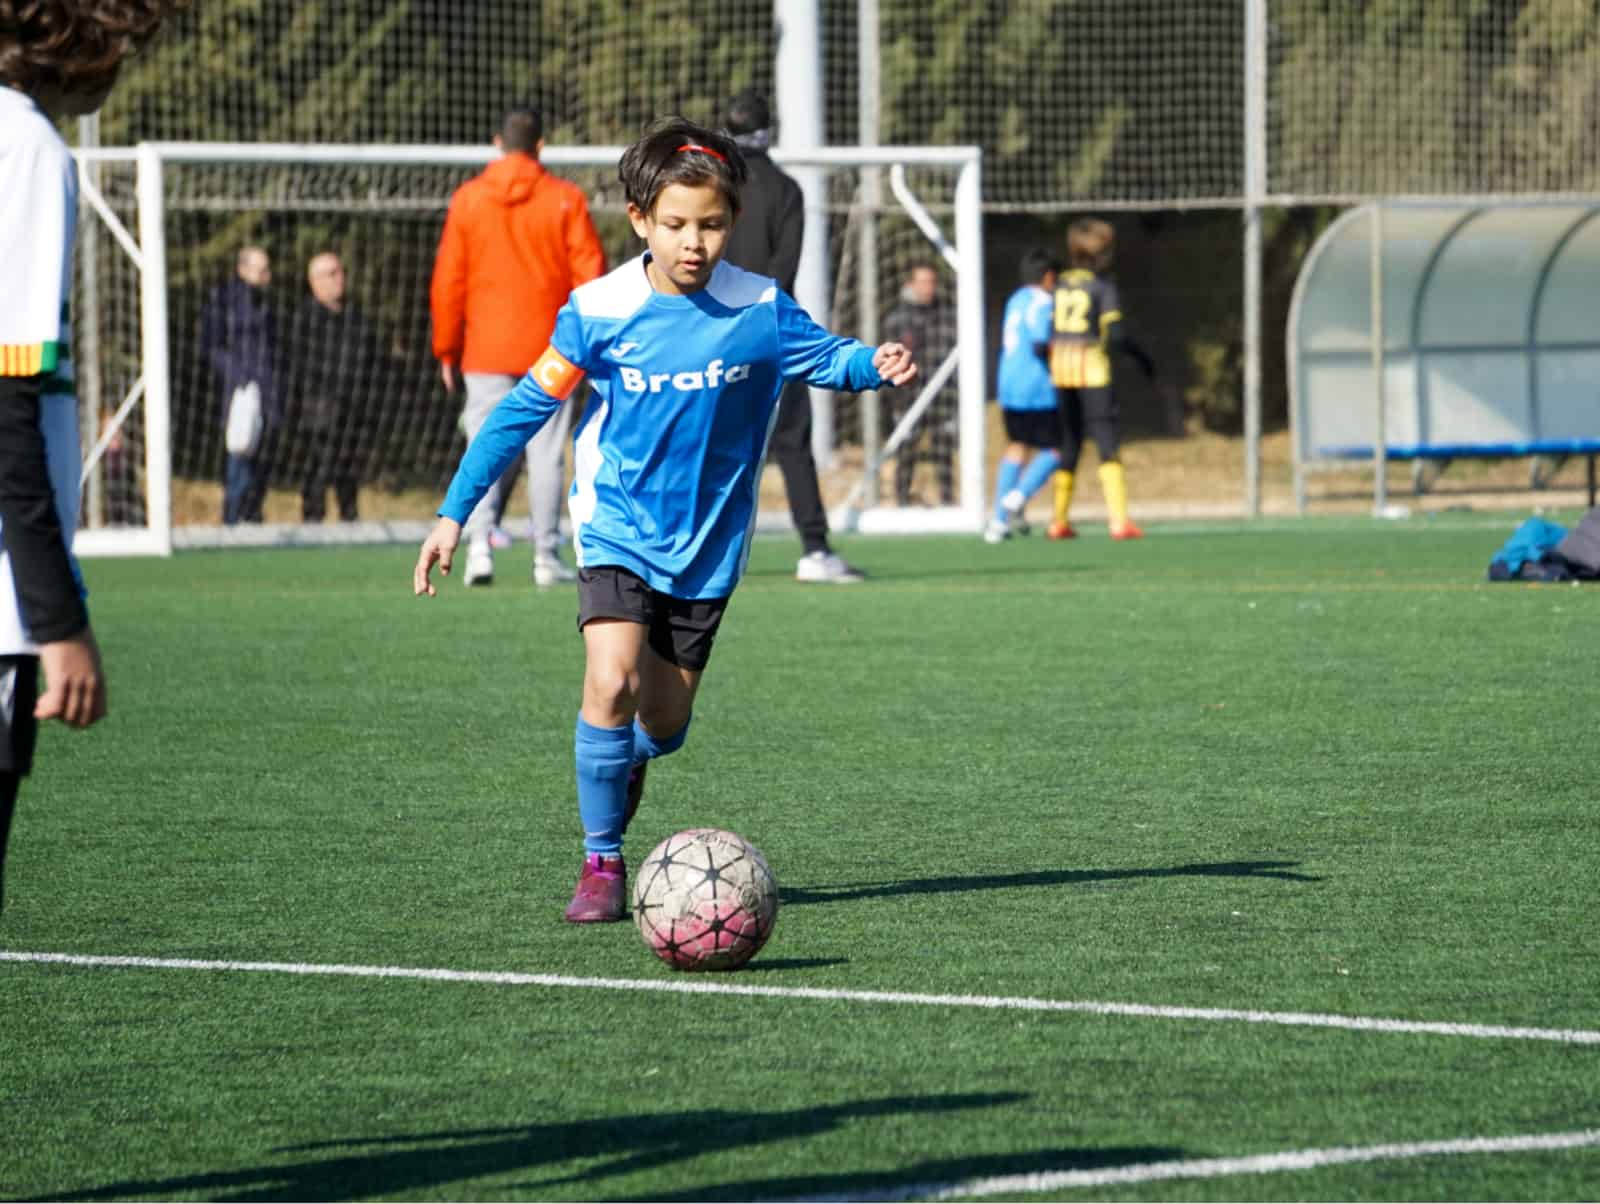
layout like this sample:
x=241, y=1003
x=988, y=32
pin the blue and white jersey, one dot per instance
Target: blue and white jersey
x=1024, y=382
x=669, y=454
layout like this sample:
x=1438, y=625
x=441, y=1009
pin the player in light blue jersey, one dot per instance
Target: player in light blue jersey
x=1027, y=396
x=686, y=356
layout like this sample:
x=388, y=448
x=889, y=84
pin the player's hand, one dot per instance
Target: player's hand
x=440, y=547
x=447, y=373
x=893, y=362
x=75, y=682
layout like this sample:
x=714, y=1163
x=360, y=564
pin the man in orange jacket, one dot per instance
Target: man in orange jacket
x=516, y=242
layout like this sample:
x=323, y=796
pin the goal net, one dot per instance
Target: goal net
x=1171, y=117
x=161, y=235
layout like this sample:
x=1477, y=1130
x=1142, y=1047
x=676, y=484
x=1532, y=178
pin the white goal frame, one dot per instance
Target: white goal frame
x=963, y=252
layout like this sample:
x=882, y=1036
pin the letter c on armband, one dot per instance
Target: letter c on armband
x=556, y=374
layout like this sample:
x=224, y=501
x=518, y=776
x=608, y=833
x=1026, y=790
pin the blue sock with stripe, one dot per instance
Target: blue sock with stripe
x=1039, y=471
x=604, y=756
x=1005, y=480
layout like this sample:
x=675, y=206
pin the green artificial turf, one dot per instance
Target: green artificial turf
x=1298, y=767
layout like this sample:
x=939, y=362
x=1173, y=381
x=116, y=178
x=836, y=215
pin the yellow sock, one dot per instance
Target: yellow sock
x=1115, y=488
x=1063, y=480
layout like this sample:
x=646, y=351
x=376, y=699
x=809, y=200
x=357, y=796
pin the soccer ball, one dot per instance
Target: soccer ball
x=705, y=900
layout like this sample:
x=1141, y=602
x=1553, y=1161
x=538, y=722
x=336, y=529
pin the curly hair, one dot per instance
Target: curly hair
x=74, y=46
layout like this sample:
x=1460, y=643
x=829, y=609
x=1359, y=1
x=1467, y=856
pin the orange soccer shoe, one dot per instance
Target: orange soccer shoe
x=1060, y=531
x=1126, y=530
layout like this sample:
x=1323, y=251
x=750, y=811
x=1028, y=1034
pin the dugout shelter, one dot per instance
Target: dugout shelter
x=1490, y=338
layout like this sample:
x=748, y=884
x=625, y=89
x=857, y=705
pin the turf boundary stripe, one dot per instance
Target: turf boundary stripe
x=828, y=994
x=1217, y=1168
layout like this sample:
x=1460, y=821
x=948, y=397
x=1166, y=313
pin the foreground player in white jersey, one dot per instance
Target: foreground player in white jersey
x=58, y=59
x=687, y=357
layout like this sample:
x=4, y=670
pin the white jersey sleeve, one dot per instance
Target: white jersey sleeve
x=38, y=220
x=38, y=216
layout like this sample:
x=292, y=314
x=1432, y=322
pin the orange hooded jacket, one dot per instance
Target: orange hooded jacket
x=517, y=240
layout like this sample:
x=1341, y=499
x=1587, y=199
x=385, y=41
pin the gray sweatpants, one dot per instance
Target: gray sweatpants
x=545, y=479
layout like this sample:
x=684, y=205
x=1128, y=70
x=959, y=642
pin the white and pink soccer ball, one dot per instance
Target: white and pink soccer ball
x=705, y=900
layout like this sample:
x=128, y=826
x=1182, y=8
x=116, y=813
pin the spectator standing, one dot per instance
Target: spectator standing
x=58, y=60
x=925, y=322
x=334, y=350
x=517, y=240
x=238, y=340
x=767, y=239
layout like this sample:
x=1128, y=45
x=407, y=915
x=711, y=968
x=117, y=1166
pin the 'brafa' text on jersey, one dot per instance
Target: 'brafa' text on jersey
x=685, y=389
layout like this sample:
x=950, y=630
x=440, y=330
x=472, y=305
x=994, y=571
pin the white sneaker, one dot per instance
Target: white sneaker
x=480, y=564
x=827, y=566
x=995, y=531
x=1013, y=504
x=549, y=570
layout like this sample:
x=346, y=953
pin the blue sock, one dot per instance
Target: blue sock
x=647, y=748
x=1005, y=481
x=604, y=756
x=1040, y=470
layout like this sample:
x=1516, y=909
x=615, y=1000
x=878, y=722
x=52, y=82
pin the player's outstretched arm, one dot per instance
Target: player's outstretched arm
x=440, y=547
x=75, y=683
x=893, y=362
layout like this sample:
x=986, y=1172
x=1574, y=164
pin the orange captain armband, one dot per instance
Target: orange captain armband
x=556, y=374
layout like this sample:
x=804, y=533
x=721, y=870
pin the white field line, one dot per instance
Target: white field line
x=694, y=986
x=1216, y=1168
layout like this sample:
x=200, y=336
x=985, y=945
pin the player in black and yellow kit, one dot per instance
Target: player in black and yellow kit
x=1087, y=327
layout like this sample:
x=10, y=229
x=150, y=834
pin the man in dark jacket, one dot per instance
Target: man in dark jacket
x=766, y=239
x=237, y=340
x=333, y=357
x=926, y=323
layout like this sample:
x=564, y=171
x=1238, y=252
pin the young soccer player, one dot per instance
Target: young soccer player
x=686, y=356
x=1088, y=326
x=1027, y=396
x=58, y=59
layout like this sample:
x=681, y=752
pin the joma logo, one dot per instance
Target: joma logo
x=709, y=377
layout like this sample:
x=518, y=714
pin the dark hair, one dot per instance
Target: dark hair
x=521, y=128
x=74, y=46
x=1036, y=261
x=747, y=113
x=673, y=150
x=1089, y=243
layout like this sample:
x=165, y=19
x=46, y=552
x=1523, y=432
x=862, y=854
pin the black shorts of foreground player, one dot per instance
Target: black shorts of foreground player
x=687, y=357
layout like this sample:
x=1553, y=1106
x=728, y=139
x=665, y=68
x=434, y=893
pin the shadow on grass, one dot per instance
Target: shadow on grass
x=794, y=963
x=950, y=571
x=800, y=895
x=415, y=1163
x=924, y=1179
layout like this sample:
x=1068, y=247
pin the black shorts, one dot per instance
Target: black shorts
x=19, y=730
x=680, y=630
x=1035, y=428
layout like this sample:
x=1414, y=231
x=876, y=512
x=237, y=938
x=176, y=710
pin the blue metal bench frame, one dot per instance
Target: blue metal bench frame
x=1589, y=448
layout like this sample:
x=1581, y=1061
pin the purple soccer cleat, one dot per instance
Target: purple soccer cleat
x=601, y=895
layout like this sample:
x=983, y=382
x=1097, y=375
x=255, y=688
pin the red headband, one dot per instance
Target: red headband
x=705, y=150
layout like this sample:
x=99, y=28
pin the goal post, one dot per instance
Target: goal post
x=382, y=206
